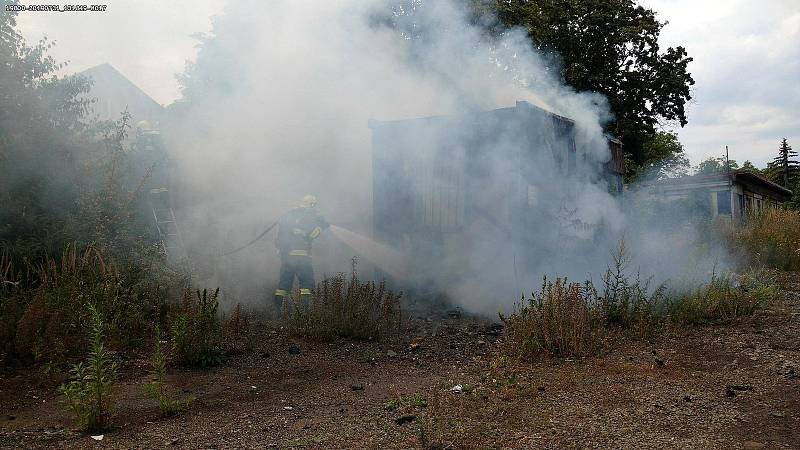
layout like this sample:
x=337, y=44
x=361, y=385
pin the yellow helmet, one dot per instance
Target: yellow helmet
x=309, y=201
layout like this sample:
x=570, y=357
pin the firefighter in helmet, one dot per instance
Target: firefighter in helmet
x=296, y=232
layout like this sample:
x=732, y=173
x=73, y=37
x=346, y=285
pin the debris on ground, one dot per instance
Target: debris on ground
x=294, y=349
x=616, y=397
x=408, y=418
x=357, y=387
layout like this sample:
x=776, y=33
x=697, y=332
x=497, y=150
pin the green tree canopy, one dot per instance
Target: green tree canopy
x=747, y=165
x=785, y=169
x=610, y=47
x=665, y=158
x=715, y=165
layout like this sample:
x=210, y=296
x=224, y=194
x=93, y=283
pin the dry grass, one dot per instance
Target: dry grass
x=723, y=299
x=42, y=306
x=770, y=237
x=562, y=319
x=573, y=319
x=347, y=307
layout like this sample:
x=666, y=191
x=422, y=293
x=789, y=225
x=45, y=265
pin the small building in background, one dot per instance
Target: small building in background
x=731, y=194
x=114, y=93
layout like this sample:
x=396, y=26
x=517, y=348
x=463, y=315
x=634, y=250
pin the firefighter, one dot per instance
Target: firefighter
x=296, y=232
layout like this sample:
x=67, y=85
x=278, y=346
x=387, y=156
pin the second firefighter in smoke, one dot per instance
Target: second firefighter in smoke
x=297, y=231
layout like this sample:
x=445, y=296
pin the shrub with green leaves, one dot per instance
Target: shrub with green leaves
x=628, y=301
x=40, y=315
x=89, y=393
x=197, y=331
x=157, y=389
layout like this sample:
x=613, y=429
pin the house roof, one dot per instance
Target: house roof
x=115, y=93
x=739, y=175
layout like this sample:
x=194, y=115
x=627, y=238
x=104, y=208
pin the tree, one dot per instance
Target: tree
x=59, y=171
x=785, y=169
x=666, y=159
x=610, y=47
x=715, y=165
x=41, y=129
x=748, y=166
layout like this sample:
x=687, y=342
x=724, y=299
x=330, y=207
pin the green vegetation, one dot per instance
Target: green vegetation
x=770, y=238
x=415, y=400
x=610, y=47
x=71, y=227
x=722, y=300
x=157, y=389
x=716, y=165
x=89, y=394
x=347, y=307
x=575, y=319
x=43, y=300
x=664, y=156
x=197, y=331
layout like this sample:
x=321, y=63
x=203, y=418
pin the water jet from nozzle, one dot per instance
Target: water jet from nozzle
x=386, y=258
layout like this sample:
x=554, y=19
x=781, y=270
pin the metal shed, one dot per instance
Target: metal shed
x=469, y=186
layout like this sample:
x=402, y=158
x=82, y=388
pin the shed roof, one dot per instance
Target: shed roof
x=739, y=175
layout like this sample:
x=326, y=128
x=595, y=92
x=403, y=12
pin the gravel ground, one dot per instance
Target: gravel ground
x=733, y=386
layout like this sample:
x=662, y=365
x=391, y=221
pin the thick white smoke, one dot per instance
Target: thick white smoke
x=286, y=92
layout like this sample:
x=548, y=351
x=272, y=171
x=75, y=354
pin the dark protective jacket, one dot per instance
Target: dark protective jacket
x=297, y=230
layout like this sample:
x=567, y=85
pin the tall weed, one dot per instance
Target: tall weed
x=344, y=306
x=770, y=237
x=157, y=389
x=197, y=331
x=89, y=394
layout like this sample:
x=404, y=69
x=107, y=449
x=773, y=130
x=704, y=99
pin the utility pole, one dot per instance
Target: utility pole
x=730, y=180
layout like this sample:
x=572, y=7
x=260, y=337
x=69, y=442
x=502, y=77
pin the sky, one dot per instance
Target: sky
x=746, y=60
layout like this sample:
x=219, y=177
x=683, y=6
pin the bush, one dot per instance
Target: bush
x=628, y=301
x=562, y=319
x=572, y=319
x=723, y=300
x=89, y=393
x=41, y=315
x=157, y=388
x=770, y=237
x=342, y=307
x=197, y=331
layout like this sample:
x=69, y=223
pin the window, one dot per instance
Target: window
x=741, y=204
x=724, y=202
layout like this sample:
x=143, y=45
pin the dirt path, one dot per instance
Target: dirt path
x=735, y=386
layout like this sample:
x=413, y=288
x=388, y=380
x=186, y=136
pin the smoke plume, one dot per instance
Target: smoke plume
x=277, y=105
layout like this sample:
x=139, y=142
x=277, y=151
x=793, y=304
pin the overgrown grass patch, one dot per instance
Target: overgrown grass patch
x=42, y=304
x=344, y=306
x=723, y=299
x=197, y=331
x=567, y=318
x=770, y=237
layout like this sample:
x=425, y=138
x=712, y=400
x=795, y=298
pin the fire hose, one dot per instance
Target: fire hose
x=238, y=249
x=263, y=233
